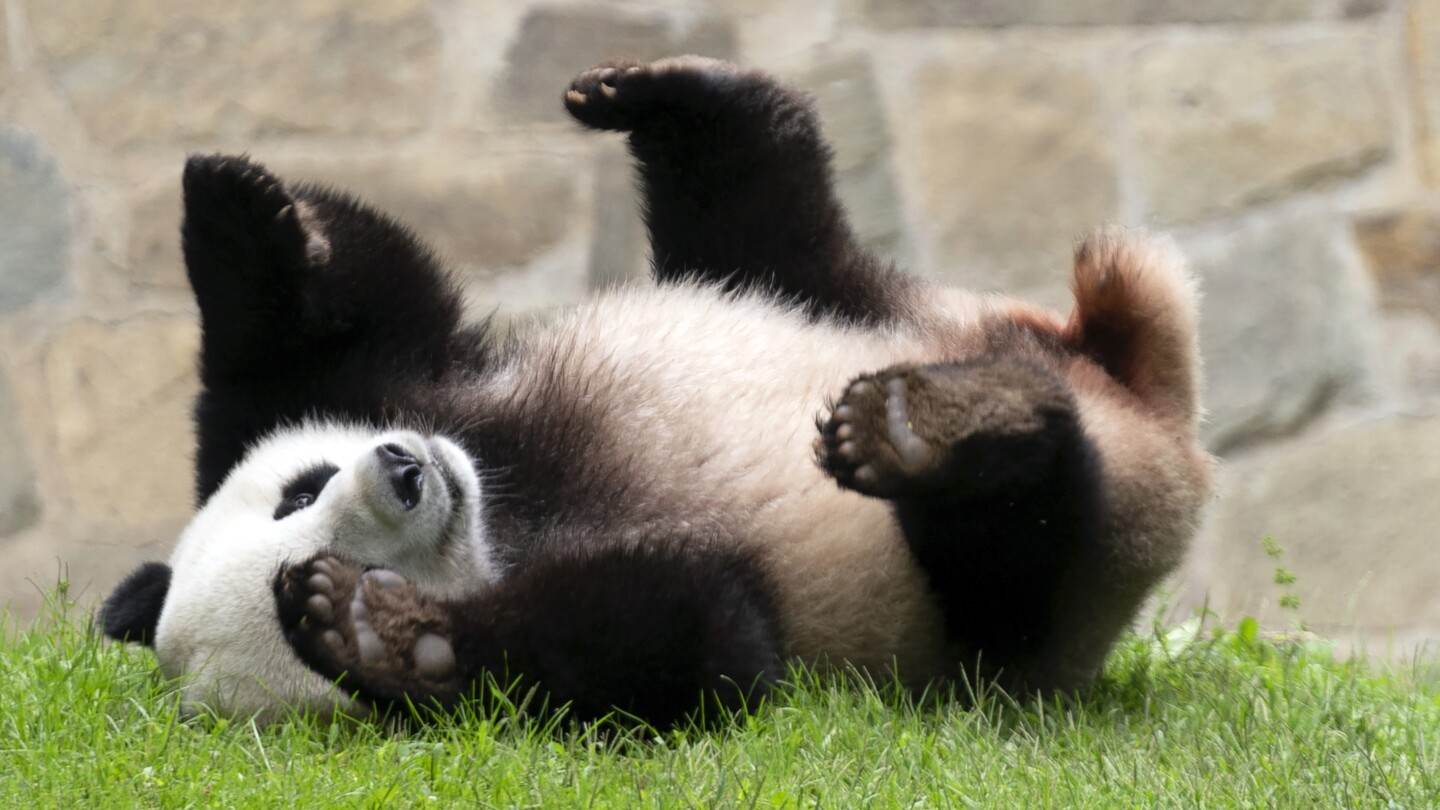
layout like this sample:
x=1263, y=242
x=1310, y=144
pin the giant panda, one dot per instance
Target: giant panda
x=781, y=450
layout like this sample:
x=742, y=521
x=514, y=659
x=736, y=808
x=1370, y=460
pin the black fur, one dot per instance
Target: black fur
x=737, y=185
x=132, y=610
x=313, y=304
x=658, y=631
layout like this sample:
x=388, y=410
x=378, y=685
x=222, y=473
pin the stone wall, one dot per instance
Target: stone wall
x=1292, y=146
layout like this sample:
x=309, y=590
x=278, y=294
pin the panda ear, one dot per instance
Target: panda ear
x=132, y=610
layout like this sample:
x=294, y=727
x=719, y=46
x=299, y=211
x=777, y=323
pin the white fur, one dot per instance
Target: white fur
x=219, y=630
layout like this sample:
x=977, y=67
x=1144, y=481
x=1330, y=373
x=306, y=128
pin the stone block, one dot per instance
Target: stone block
x=1222, y=124
x=1009, y=159
x=154, y=258
x=619, y=247
x=34, y=221
x=1283, y=325
x=19, y=496
x=853, y=114
x=1423, y=39
x=1402, y=251
x=994, y=13
x=202, y=70
x=120, y=395
x=554, y=43
x=1355, y=513
x=485, y=215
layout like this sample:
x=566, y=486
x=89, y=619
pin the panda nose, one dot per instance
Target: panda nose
x=404, y=471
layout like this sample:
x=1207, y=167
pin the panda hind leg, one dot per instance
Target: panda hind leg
x=952, y=430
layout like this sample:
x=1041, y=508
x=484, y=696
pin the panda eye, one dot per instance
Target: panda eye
x=302, y=490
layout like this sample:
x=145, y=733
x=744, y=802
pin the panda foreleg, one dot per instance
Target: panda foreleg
x=995, y=485
x=658, y=634
x=737, y=183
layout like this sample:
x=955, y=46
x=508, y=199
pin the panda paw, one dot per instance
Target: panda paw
x=617, y=95
x=368, y=629
x=956, y=429
x=869, y=443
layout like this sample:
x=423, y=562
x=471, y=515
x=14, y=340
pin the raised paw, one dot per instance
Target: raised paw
x=235, y=199
x=962, y=429
x=869, y=443
x=617, y=95
x=370, y=630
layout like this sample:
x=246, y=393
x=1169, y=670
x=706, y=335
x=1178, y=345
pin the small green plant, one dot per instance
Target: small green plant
x=1285, y=578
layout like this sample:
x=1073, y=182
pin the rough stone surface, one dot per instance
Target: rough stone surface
x=1281, y=326
x=19, y=498
x=1402, y=251
x=619, y=250
x=121, y=396
x=154, y=258
x=34, y=220
x=850, y=106
x=169, y=70
x=1423, y=39
x=484, y=216
x=926, y=13
x=1348, y=510
x=1012, y=161
x=554, y=43
x=1220, y=125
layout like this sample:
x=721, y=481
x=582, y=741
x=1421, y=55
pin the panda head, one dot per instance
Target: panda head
x=391, y=499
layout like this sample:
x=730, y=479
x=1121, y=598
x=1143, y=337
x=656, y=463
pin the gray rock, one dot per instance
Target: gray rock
x=926, y=13
x=555, y=43
x=1223, y=124
x=1282, y=326
x=1011, y=160
x=34, y=221
x=208, y=69
x=618, y=247
x=1356, y=515
x=854, y=119
x=19, y=497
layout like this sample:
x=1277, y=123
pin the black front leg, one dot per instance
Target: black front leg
x=737, y=183
x=660, y=634
x=309, y=304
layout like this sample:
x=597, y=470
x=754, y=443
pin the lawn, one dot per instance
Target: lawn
x=1189, y=717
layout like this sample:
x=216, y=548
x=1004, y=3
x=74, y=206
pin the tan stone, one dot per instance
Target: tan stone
x=1221, y=124
x=1424, y=40
x=914, y=13
x=188, y=70
x=121, y=395
x=485, y=214
x=154, y=258
x=1402, y=250
x=555, y=43
x=1356, y=515
x=1011, y=161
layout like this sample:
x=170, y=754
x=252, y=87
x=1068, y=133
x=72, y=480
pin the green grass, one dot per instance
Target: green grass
x=1187, y=719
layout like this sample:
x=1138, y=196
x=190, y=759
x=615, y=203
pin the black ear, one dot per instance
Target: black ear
x=132, y=610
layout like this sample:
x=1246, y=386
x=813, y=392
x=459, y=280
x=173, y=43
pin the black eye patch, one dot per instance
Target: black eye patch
x=303, y=489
